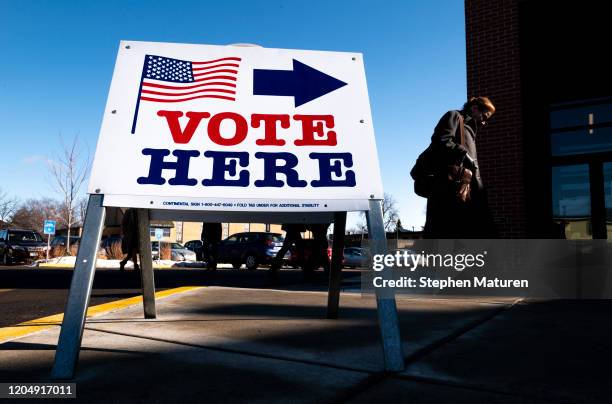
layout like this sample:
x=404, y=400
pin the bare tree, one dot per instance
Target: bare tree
x=390, y=211
x=33, y=212
x=390, y=214
x=69, y=171
x=361, y=227
x=8, y=206
x=398, y=225
x=81, y=209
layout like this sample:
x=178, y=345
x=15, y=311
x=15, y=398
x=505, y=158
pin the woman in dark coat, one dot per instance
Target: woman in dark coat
x=320, y=245
x=129, y=240
x=211, y=237
x=447, y=215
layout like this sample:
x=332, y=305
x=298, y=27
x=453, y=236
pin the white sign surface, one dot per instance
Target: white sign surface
x=236, y=128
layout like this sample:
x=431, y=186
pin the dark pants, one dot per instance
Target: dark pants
x=130, y=256
x=292, y=236
x=210, y=252
x=449, y=218
x=319, y=234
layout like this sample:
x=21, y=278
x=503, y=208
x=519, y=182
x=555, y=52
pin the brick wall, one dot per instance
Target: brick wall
x=493, y=70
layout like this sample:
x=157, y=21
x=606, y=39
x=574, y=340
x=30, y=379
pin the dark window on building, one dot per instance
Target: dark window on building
x=571, y=191
x=572, y=201
x=581, y=156
x=581, y=128
x=166, y=231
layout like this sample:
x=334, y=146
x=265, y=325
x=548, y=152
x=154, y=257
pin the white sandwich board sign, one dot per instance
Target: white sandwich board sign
x=232, y=133
x=234, y=128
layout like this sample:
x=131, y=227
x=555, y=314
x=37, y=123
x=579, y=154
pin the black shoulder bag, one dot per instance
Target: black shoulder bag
x=426, y=170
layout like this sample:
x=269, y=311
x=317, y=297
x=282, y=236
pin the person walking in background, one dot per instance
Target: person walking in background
x=448, y=175
x=320, y=244
x=293, y=235
x=211, y=237
x=129, y=239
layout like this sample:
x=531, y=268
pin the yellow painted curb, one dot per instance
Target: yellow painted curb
x=44, y=323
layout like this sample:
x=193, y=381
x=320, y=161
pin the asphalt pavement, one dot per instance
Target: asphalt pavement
x=27, y=293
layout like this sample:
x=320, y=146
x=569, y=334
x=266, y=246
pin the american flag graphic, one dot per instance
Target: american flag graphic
x=172, y=80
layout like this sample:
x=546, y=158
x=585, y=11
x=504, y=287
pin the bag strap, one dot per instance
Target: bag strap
x=461, y=130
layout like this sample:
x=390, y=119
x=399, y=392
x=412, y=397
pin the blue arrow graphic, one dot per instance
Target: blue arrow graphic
x=304, y=83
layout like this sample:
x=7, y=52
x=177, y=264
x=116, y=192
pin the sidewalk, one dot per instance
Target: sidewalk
x=229, y=344
x=69, y=261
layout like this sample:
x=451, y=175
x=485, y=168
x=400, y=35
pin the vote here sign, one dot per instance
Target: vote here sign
x=236, y=128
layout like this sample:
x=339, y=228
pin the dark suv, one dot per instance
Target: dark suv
x=252, y=249
x=197, y=247
x=20, y=245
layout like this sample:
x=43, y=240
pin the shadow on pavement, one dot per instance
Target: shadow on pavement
x=35, y=278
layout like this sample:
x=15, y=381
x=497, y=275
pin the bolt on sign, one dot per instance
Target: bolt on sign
x=201, y=127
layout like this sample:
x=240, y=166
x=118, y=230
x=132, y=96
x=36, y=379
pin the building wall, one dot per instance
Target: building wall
x=529, y=56
x=188, y=230
x=193, y=230
x=493, y=70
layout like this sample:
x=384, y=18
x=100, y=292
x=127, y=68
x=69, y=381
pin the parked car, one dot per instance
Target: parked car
x=197, y=247
x=355, y=257
x=250, y=248
x=178, y=252
x=18, y=245
x=308, y=260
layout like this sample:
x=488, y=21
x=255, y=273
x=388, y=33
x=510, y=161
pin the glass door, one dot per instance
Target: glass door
x=607, y=171
x=572, y=201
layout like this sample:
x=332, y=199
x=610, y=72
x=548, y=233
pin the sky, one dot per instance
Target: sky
x=57, y=59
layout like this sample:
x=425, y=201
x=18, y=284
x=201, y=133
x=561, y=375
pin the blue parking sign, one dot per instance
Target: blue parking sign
x=49, y=227
x=159, y=234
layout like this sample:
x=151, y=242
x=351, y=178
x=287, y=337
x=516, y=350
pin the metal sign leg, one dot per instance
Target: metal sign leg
x=146, y=264
x=71, y=334
x=387, y=309
x=335, y=270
